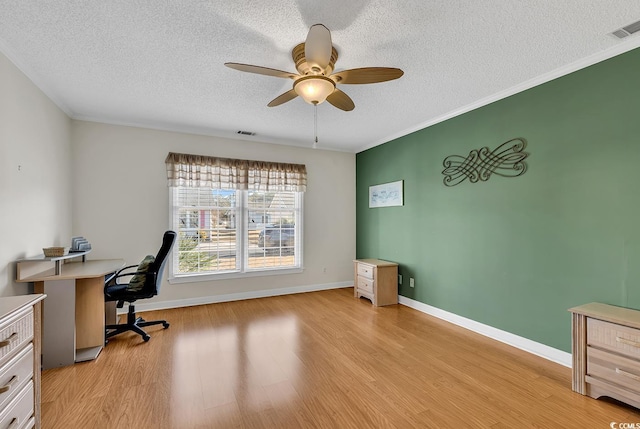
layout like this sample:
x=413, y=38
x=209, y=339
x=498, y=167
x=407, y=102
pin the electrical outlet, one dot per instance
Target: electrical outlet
x=412, y=282
x=399, y=279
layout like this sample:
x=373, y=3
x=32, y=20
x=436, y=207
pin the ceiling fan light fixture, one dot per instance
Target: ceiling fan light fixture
x=315, y=81
x=314, y=89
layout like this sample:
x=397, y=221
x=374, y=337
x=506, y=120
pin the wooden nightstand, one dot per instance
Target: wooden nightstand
x=606, y=352
x=376, y=280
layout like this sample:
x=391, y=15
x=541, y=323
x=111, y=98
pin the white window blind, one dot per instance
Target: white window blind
x=228, y=226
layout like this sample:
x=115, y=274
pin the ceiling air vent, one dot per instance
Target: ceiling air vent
x=246, y=133
x=627, y=31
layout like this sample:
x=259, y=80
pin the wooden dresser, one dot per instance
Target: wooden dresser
x=376, y=280
x=606, y=352
x=20, y=326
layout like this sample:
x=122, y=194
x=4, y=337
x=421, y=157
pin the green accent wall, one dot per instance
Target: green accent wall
x=516, y=253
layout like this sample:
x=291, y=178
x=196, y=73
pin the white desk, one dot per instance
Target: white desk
x=70, y=336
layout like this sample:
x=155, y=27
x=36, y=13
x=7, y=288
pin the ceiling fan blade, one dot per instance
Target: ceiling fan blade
x=283, y=98
x=367, y=75
x=341, y=100
x=317, y=47
x=261, y=70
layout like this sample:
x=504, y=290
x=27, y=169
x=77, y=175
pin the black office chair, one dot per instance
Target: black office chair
x=144, y=283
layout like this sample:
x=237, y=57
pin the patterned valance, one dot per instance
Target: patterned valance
x=197, y=171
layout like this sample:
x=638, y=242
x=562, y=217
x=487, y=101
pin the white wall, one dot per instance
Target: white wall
x=121, y=203
x=35, y=179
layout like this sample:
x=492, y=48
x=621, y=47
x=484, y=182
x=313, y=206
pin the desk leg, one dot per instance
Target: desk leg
x=58, y=336
x=111, y=315
x=90, y=318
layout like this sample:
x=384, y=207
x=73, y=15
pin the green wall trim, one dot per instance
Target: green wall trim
x=516, y=253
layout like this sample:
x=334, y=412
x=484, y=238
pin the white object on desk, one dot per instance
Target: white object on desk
x=70, y=335
x=80, y=244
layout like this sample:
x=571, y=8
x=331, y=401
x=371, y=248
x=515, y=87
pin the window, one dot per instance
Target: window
x=227, y=232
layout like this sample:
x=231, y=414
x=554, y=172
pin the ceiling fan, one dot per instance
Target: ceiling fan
x=315, y=59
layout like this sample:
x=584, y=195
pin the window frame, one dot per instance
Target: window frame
x=242, y=245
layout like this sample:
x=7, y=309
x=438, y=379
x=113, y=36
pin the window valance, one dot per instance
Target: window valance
x=197, y=171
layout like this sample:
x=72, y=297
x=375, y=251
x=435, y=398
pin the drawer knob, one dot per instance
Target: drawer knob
x=9, y=385
x=627, y=374
x=9, y=340
x=628, y=342
x=14, y=423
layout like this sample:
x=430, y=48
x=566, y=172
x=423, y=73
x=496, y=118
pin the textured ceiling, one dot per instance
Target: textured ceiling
x=159, y=64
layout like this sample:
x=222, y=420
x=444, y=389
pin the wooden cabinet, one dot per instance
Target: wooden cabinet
x=606, y=352
x=376, y=280
x=20, y=361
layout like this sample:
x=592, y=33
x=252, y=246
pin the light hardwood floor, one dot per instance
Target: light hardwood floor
x=322, y=359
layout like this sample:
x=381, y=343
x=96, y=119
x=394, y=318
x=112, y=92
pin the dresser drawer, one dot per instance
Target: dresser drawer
x=29, y=424
x=15, y=374
x=365, y=271
x=16, y=333
x=365, y=284
x=614, y=369
x=617, y=338
x=19, y=411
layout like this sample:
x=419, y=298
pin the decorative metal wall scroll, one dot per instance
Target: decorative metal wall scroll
x=507, y=160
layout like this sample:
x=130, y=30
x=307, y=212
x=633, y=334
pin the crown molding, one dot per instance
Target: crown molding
x=618, y=49
x=34, y=78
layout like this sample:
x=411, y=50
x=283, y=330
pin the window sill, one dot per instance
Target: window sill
x=193, y=278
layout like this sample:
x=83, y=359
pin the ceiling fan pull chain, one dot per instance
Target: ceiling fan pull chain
x=315, y=125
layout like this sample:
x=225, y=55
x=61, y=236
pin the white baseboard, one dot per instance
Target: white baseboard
x=188, y=302
x=554, y=355
x=538, y=349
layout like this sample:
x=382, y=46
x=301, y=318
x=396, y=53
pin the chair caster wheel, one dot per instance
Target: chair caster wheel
x=146, y=338
x=166, y=325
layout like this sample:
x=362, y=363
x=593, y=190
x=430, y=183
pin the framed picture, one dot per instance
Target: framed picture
x=386, y=195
